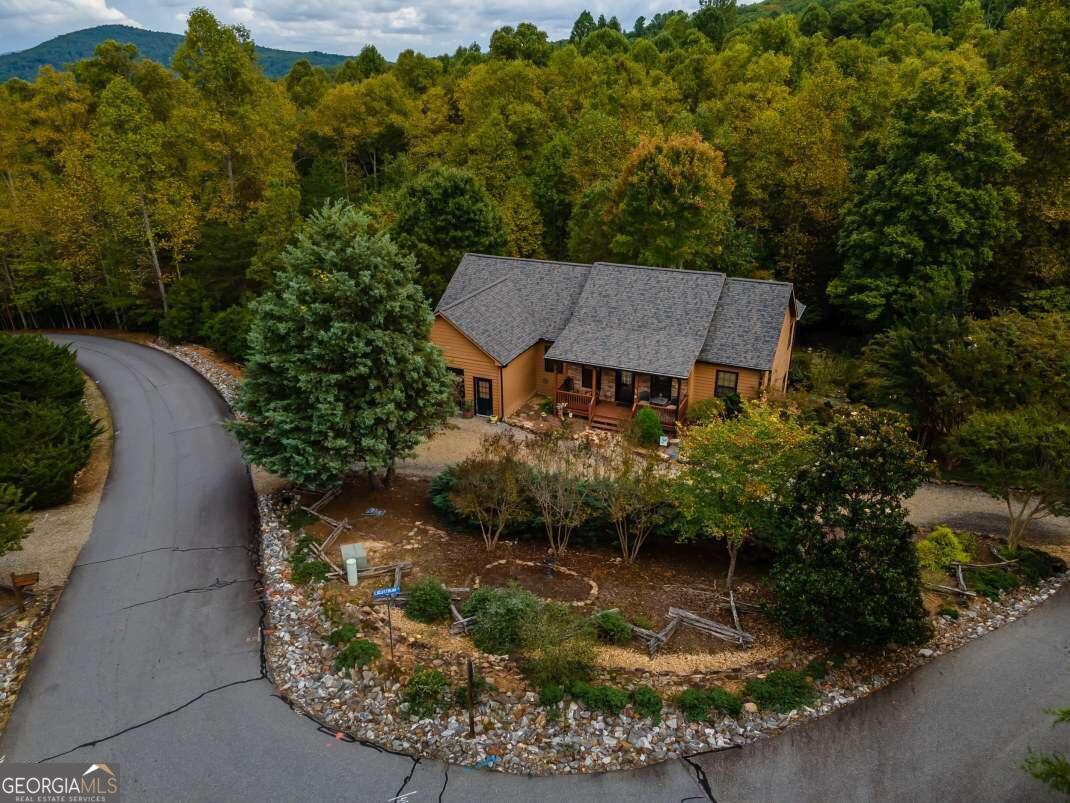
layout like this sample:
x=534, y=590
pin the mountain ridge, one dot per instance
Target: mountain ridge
x=155, y=45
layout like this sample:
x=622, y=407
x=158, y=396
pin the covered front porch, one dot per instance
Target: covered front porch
x=609, y=397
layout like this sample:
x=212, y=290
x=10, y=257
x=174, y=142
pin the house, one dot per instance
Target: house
x=605, y=339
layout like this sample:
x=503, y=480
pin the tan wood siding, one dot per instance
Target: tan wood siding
x=704, y=379
x=518, y=378
x=782, y=358
x=460, y=352
x=544, y=381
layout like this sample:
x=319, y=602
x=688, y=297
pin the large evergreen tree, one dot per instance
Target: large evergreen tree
x=340, y=372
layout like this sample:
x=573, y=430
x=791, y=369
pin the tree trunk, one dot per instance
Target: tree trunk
x=733, y=552
x=14, y=289
x=152, y=251
x=230, y=175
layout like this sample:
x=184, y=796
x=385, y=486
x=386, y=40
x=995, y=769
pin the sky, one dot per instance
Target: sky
x=333, y=26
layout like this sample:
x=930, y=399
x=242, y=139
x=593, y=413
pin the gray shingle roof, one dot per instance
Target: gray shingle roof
x=746, y=325
x=651, y=320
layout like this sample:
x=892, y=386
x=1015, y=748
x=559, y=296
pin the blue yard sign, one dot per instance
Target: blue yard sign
x=386, y=593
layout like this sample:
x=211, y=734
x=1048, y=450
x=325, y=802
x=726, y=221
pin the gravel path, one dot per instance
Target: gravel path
x=968, y=508
x=450, y=445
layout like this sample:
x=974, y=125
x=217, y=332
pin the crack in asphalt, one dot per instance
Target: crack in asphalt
x=700, y=778
x=156, y=718
x=445, y=780
x=160, y=549
x=218, y=584
x=404, y=783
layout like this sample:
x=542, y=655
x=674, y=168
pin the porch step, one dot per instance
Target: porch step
x=606, y=423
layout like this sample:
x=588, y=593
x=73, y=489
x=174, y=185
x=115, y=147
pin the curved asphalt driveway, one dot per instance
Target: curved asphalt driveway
x=152, y=661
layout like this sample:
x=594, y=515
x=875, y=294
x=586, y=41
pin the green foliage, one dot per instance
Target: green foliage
x=699, y=705
x=340, y=370
x=705, y=411
x=1021, y=456
x=429, y=601
x=647, y=703
x=228, y=332
x=645, y=427
x=612, y=627
x=990, y=581
x=823, y=373
x=607, y=699
x=304, y=566
x=341, y=635
x=442, y=214
x=501, y=614
x=14, y=526
x=425, y=692
x=558, y=646
x=551, y=695
x=1052, y=769
x=940, y=549
x=1035, y=565
x=298, y=518
x=782, y=690
x=847, y=570
x=949, y=611
x=357, y=653
x=45, y=431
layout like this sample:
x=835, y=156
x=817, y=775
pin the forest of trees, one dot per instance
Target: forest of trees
x=906, y=164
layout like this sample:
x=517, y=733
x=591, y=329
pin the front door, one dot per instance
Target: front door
x=484, y=397
x=624, y=391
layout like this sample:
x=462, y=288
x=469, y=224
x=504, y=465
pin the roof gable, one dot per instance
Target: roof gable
x=746, y=326
x=652, y=320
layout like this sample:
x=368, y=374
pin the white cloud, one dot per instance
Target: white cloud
x=26, y=22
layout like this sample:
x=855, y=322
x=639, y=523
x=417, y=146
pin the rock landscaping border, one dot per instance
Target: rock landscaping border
x=513, y=734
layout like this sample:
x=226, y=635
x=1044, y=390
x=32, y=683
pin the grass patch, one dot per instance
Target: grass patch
x=647, y=703
x=699, y=705
x=358, y=652
x=782, y=690
x=612, y=627
x=607, y=699
x=424, y=692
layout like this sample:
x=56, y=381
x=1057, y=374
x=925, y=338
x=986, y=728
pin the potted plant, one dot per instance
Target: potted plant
x=469, y=409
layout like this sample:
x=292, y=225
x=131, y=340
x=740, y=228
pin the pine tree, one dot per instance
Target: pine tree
x=340, y=371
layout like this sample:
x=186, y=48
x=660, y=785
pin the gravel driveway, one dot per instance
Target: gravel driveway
x=459, y=439
x=967, y=508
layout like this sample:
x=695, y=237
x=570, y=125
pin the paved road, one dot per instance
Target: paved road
x=152, y=657
x=152, y=661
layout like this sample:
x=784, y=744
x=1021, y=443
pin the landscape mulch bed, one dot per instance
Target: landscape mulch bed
x=666, y=574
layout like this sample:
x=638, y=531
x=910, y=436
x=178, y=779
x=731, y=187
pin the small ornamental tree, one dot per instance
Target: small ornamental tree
x=847, y=570
x=340, y=370
x=558, y=473
x=632, y=490
x=488, y=486
x=735, y=474
x=1022, y=457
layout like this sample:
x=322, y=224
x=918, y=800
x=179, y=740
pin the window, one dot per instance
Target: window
x=551, y=366
x=660, y=389
x=727, y=381
x=587, y=378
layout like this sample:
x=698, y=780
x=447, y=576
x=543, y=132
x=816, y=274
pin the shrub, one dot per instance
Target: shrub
x=1035, y=565
x=14, y=526
x=816, y=669
x=551, y=695
x=612, y=627
x=647, y=703
x=941, y=548
x=500, y=615
x=547, y=407
x=559, y=646
x=990, y=581
x=697, y=704
x=36, y=369
x=782, y=690
x=949, y=611
x=429, y=601
x=228, y=332
x=298, y=518
x=645, y=427
x=341, y=635
x=357, y=653
x=607, y=699
x=304, y=566
x=704, y=411
x=424, y=692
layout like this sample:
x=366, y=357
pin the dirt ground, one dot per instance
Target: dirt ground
x=589, y=578
x=59, y=533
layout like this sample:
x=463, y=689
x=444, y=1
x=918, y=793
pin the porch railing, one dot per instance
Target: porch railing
x=668, y=417
x=578, y=402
